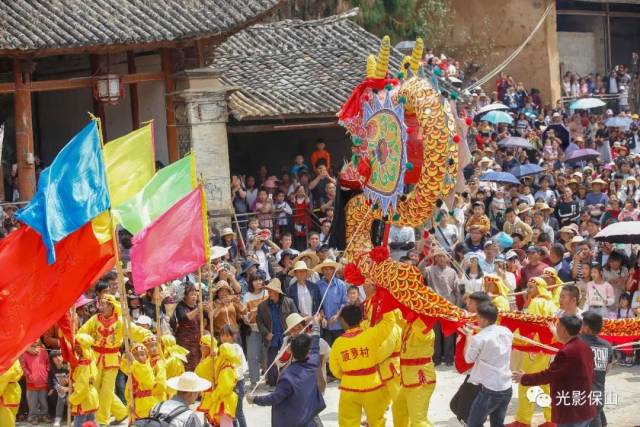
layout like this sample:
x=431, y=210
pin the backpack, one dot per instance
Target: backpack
x=155, y=419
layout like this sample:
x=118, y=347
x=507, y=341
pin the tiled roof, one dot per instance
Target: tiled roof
x=59, y=24
x=296, y=68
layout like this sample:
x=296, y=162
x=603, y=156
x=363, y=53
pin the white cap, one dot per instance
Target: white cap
x=144, y=320
x=556, y=114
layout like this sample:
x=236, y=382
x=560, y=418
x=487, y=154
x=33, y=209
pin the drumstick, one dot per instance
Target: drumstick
x=627, y=344
x=521, y=338
x=511, y=294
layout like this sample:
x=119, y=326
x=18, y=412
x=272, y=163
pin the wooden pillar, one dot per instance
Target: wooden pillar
x=133, y=91
x=98, y=107
x=169, y=87
x=24, y=129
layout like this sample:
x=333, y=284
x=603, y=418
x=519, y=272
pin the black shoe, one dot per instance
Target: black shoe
x=437, y=363
x=449, y=363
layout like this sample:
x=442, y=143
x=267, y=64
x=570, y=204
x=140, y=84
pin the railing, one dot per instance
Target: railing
x=611, y=99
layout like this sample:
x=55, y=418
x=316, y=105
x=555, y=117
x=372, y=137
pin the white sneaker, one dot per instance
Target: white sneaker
x=56, y=422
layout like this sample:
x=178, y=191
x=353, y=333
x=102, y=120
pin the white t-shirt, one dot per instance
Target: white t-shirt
x=490, y=352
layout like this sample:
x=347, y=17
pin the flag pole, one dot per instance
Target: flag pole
x=72, y=312
x=156, y=296
x=201, y=308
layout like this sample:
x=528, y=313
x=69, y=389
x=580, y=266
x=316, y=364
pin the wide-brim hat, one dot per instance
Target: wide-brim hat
x=293, y=320
x=437, y=251
x=247, y=264
x=222, y=284
x=218, y=252
x=275, y=285
x=82, y=301
x=300, y=266
x=227, y=231
x=326, y=263
x=598, y=181
x=313, y=258
x=485, y=160
x=189, y=382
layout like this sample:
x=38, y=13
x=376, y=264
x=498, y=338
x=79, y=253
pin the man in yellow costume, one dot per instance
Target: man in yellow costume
x=84, y=396
x=221, y=409
x=390, y=367
x=107, y=330
x=141, y=383
x=208, y=349
x=10, y=393
x=354, y=359
x=418, y=375
x=540, y=303
x=495, y=287
x=175, y=357
x=159, y=367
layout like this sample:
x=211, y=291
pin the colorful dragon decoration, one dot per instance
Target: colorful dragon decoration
x=405, y=139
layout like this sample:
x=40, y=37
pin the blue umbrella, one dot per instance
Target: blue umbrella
x=587, y=103
x=582, y=154
x=526, y=170
x=497, y=116
x=618, y=122
x=515, y=141
x=501, y=177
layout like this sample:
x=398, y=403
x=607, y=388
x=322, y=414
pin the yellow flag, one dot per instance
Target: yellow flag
x=130, y=164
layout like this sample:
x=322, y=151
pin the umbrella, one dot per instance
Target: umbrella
x=618, y=122
x=491, y=107
x=560, y=131
x=620, y=232
x=454, y=80
x=526, y=170
x=497, y=116
x=515, y=141
x=587, y=103
x=502, y=177
x=582, y=154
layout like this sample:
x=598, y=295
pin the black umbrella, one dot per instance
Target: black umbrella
x=560, y=131
x=620, y=232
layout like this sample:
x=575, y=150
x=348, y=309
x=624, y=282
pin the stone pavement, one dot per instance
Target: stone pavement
x=621, y=382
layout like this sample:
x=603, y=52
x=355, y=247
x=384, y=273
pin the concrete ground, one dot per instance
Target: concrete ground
x=621, y=382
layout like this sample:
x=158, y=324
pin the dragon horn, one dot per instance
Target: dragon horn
x=383, y=58
x=371, y=66
x=416, y=55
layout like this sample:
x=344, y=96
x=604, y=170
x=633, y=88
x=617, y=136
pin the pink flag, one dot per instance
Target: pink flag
x=171, y=246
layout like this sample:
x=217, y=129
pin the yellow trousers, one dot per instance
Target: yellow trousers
x=412, y=406
x=352, y=403
x=532, y=363
x=8, y=416
x=393, y=388
x=110, y=404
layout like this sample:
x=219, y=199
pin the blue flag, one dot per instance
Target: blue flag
x=70, y=192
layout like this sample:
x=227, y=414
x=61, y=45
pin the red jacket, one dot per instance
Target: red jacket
x=570, y=374
x=36, y=369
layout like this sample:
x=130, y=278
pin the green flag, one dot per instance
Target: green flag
x=166, y=187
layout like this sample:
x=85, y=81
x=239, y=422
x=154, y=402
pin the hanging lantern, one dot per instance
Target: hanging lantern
x=108, y=88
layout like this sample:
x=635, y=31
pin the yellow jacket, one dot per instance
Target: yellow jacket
x=141, y=382
x=482, y=221
x=175, y=356
x=10, y=391
x=390, y=348
x=160, y=375
x=500, y=300
x=224, y=399
x=84, y=396
x=108, y=335
x=355, y=355
x=416, y=367
x=550, y=271
x=542, y=304
x=205, y=370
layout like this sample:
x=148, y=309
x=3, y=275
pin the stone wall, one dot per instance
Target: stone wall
x=511, y=21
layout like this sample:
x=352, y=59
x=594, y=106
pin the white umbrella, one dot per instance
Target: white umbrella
x=494, y=106
x=587, y=103
x=620, y=232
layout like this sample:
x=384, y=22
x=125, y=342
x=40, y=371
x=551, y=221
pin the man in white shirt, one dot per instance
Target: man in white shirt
x=569, y=297
x=401, y=239
x=490, y=352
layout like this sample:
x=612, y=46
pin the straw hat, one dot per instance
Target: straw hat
x=544, y=207
x=598, y=181
x=523, y=208
x=326, y=263
x=275, y=285
x=298, y=266
x=486, y=160
x=189, y=382
x=227, y=231
x=222, y=284
x=311, y=255
x=218, y=252
x=436, y=252
x=567, y=229
x=293, y=320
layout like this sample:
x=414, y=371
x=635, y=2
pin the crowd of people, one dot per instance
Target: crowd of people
x=272, y=312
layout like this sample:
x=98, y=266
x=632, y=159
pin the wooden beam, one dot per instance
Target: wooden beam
x=24, y=130
x=280, y=127
x=98, y=107
x=133, y=91
x=80, y=82
x=169, y=87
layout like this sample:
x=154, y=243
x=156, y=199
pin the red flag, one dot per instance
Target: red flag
x=33, y=294
x=65, y=335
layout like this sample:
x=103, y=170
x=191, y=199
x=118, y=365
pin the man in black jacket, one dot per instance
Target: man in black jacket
x=271, y=323
x=568, y=208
